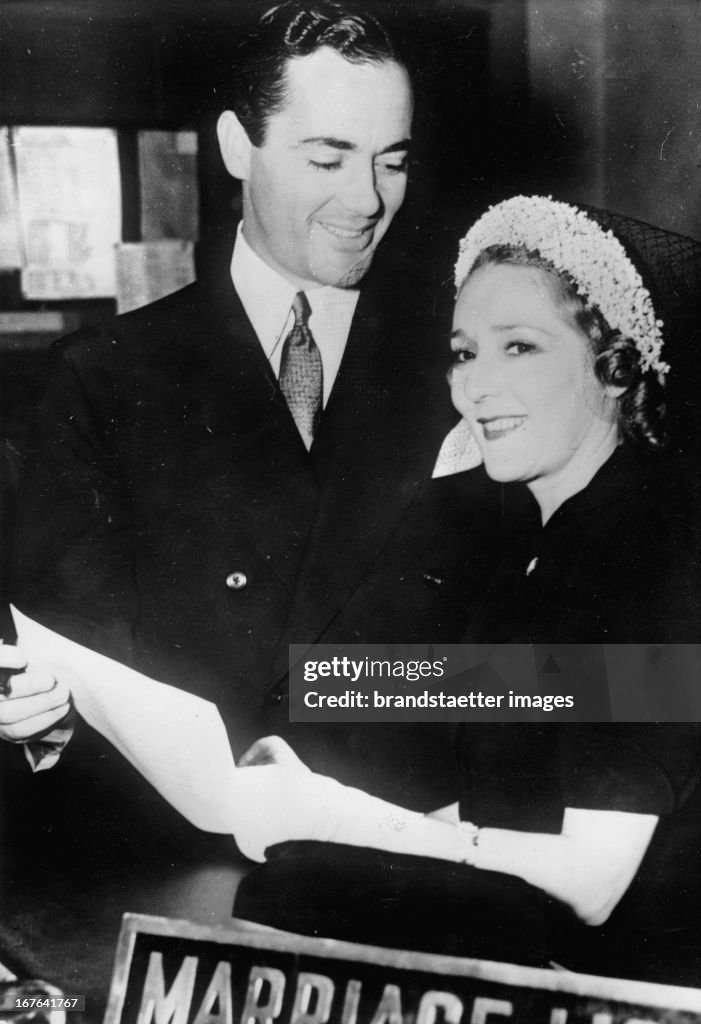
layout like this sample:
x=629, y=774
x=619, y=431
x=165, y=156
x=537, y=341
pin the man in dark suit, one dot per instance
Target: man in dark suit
x=246, y=464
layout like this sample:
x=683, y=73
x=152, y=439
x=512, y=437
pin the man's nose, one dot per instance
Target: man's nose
x=362, y=195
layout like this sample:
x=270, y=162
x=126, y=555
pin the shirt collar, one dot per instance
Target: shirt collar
x=267, y=297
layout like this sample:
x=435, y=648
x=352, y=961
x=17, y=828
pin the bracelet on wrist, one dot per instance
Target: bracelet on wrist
x=468, y=842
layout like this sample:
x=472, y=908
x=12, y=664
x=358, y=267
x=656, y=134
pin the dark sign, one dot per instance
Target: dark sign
x=175, y=972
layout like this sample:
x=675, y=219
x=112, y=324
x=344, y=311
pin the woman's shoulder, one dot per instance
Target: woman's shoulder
x=652, y=548
x=640, y=487
x=666, y=472
x=626, y=555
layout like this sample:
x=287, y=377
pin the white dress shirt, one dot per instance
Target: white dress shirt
x=267, y=299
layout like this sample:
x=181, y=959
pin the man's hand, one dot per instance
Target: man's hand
x=271, y=750
x=37, y=700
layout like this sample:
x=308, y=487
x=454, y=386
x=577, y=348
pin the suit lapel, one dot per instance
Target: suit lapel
x=247, y=452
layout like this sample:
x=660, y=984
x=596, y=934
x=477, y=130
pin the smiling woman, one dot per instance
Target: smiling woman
x=547, y=385
x=559, y=373
x=524, y=378
x=581, y=838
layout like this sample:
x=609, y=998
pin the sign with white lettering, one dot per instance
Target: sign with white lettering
x=176, y=972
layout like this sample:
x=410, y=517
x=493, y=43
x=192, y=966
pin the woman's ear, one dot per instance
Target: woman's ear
x=235, y=145
x=617, y=362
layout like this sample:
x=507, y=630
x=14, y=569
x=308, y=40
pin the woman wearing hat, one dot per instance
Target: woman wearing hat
x=581, y=842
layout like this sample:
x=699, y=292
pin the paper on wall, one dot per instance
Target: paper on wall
x=168, y=185
x=147, y=271
x=70, y=210
x=10, y=247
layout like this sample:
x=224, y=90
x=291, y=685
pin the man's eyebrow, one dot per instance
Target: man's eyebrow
x=328, y=140
x=398, y=147
x=345, y=145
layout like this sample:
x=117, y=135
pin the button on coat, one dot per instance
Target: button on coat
x=236, y=580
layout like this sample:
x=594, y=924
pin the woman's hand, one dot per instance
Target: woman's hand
x=589, y=866
x=271, y=750
x=37, y=699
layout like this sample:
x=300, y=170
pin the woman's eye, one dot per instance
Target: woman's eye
x=463, y=355
x=520, y=348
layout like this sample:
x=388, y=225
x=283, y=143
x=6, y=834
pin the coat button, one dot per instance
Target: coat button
x=236, y=580
x=276, y=697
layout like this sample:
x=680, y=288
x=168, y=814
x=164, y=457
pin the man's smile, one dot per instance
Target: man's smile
x=352, y=234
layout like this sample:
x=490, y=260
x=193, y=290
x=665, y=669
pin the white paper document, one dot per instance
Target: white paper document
x=70, y=208
x=179, y=744
x=175, y=739
x=10, y=246
x=147, y=271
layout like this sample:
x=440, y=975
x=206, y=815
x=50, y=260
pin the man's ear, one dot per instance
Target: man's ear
x=235, y=145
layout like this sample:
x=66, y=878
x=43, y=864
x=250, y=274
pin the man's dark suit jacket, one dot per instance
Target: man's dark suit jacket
x=167, y=459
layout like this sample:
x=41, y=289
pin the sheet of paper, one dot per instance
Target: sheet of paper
x=70, y=209
x=179, y=744
x=147, y=271
x=169, y=186
x=176, y=740
x=10, y=247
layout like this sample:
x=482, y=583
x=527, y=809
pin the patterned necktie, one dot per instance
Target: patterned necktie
x=301, y=372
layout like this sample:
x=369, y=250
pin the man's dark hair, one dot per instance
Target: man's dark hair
x=295, y=29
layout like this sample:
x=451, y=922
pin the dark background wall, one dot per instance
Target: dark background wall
x=592, y=99
x=614, y=88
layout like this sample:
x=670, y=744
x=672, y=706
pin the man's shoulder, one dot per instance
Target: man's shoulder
x=155, y=325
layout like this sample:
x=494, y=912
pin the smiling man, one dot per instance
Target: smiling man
x=321, y=190
x=245, y=464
